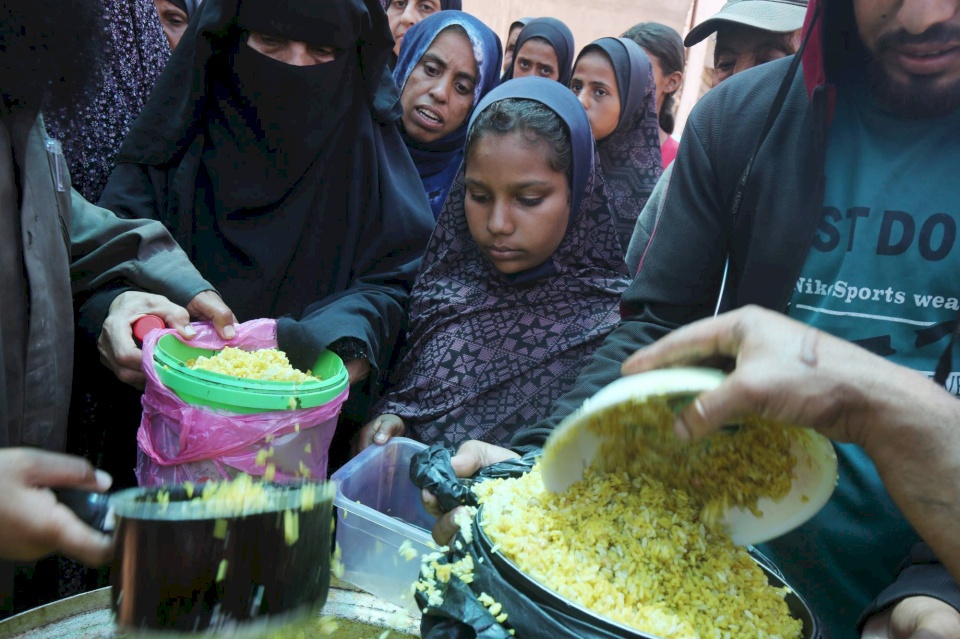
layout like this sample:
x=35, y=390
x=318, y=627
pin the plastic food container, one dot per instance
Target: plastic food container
x=378, y=509
x=199, y=425
x=244, y=396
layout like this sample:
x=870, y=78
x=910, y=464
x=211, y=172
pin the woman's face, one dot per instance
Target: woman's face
x=403, y=14
x=293, y=52
x=536, y=57
x=511, y=45
x=517, y=206
x=173, y=19
x=595, y=84
x=439, y=92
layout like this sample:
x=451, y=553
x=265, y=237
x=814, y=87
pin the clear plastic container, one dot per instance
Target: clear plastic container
x=378, y=508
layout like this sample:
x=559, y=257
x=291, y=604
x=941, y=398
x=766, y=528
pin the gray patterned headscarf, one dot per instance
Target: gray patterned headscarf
x=135, y=52
x=487, y=354
x=630, y=157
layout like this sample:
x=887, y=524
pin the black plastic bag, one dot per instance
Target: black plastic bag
x=461, y=615
x=431, y=469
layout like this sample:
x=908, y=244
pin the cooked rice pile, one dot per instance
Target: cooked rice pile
x=727, y=469
x=638, y=539
x=266, y=365
x=245, y=496
x=634, y=550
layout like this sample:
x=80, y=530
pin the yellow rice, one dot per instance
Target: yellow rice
x=634, y=551
x=642, y=528
x=268, y=364
x=727, y=469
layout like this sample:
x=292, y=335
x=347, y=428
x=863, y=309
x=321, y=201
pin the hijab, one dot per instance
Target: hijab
x=486, y=356
x=289, y=187
x=437, y=162
x=187, y=6
x=135, y=51
x=445, y=5
x=560, y=38
x=630, y=157
x=521, y=22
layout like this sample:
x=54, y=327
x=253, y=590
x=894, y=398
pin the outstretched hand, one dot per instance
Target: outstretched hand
x=119, y=351
x=471, y=457
x=786, y=372
x=914, y=618
x=35, y=524
x=378, y=430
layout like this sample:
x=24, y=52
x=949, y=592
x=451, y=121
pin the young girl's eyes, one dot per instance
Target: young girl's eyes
x=530, y=201
x=576, y=87
x=545, y=71
x=524, y=64
x=600, y=93
x=479, y=198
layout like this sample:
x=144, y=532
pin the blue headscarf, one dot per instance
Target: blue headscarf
x=560, y=38
x=437, y=162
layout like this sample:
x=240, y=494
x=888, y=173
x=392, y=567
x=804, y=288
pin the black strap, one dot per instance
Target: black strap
x=740, y=190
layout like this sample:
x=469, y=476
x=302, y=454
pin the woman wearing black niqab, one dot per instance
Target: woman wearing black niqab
x=289, y=186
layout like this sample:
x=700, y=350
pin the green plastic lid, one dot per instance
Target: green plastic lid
x=245, y=396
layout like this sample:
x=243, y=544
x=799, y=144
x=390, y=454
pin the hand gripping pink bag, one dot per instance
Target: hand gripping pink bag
x=180, y=442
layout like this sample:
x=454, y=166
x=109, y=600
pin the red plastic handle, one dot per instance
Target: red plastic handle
x=146, y=324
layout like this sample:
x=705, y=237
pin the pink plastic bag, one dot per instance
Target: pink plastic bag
x=179, y=442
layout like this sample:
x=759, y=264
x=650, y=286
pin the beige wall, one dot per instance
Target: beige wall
x=588, y=19
x=592, y=19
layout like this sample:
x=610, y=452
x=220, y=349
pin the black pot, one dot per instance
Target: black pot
x=550, y=599
x=233, y=577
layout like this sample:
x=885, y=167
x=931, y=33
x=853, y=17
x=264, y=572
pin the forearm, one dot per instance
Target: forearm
x=109, y=251
x=914, y=440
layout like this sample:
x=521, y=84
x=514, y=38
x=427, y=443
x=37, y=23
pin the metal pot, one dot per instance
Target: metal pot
x=548, y=598
x=177, y=572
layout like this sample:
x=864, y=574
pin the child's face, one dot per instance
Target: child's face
x=536, y=58
x=517, y=207
x=595, y=85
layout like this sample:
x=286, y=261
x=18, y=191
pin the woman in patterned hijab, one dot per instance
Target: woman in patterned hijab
x=134, y=53
x=500, y=325
x=613, y=78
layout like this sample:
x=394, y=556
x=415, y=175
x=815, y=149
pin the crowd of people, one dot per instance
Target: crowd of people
x=487, y=235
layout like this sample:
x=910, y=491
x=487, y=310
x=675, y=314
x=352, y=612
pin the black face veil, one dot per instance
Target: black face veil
x=277, y=179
